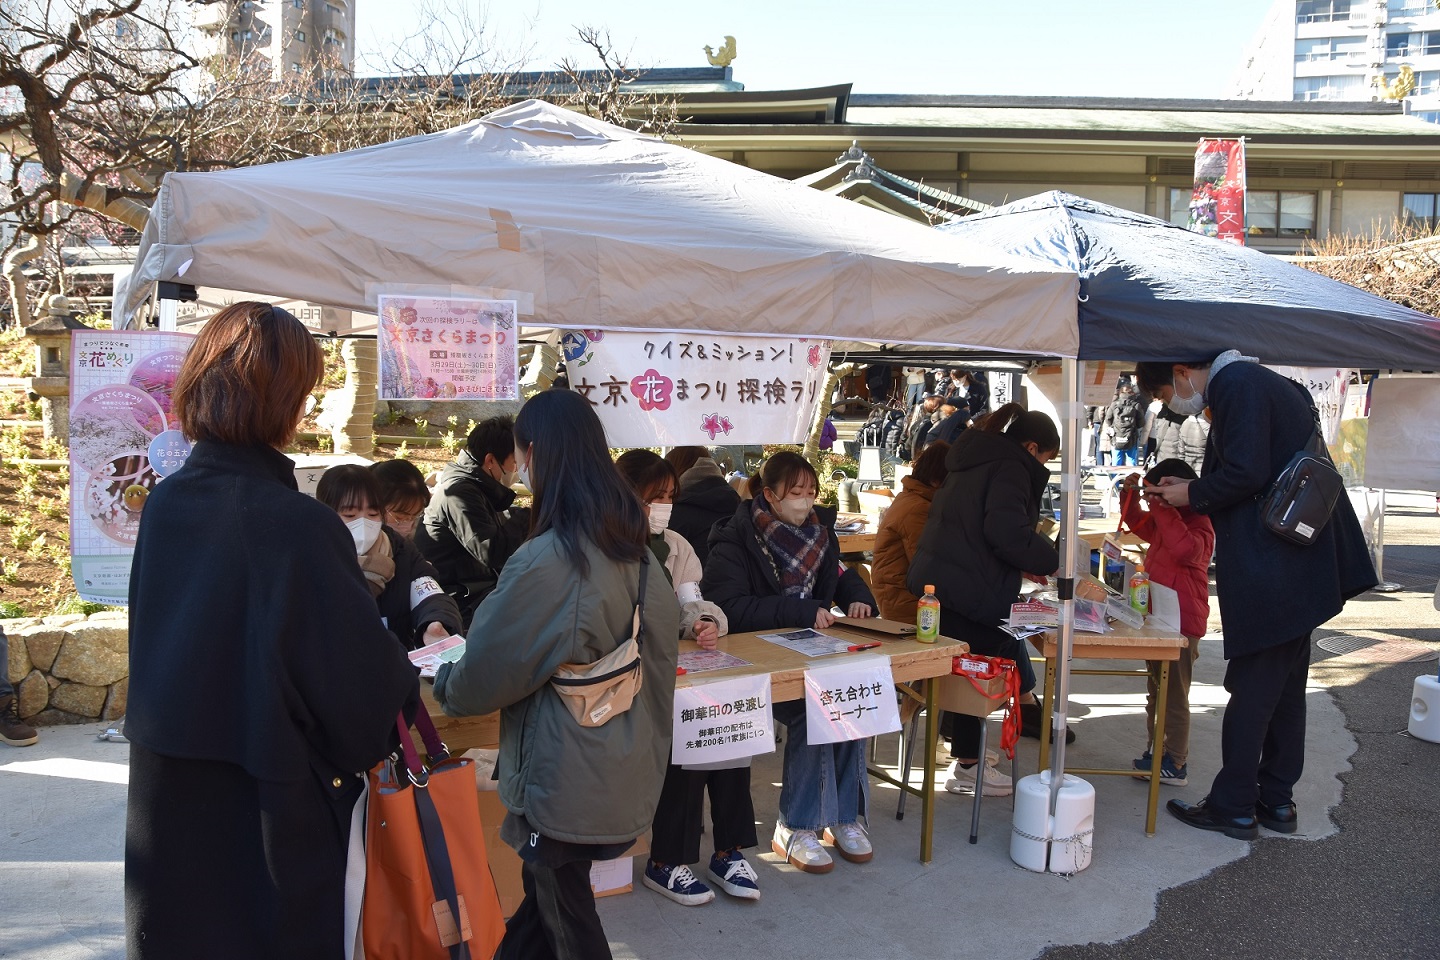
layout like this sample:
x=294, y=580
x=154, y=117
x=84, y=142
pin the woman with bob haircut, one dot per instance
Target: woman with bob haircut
x=979, y=541
x=567, y=596
x=775, y=565
x=262, y=684
x=899, y=534
x=412, y=605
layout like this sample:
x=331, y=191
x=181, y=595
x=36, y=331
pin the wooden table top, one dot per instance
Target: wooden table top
x=1123, y=642
x=909, y=658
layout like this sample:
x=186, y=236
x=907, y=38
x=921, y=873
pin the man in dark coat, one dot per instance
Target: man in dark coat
x=470, y=527
x=1273, y=593
x=705, y=498
x=1123, y=420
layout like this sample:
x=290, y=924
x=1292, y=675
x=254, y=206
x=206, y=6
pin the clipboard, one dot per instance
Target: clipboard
x=894, y=628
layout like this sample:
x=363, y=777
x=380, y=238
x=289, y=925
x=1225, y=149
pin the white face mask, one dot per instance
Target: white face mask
x=406, y=530
x=365, y=531
x=660, y=516
x=794, y=511
x=1191, y=406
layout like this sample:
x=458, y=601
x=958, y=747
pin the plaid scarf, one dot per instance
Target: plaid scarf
x=795, y=551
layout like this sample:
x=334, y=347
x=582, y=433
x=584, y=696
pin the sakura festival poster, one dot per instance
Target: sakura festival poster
x=676, y=389
x=123, y=442
x=1217, y=203
x=448, y=349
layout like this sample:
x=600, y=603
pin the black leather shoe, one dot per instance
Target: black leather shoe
x=1030, y=721
x=1282, y=818
x=1200, y=815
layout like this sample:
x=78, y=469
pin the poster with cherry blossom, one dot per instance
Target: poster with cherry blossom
x=123, y=441
x=455, y=348
x=661, y=389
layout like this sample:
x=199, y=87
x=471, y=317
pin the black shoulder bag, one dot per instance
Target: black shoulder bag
x=1301, y=500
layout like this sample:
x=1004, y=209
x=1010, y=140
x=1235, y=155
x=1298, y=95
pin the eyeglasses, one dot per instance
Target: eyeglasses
x=405, y=519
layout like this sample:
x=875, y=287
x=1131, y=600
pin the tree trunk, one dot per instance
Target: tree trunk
x=14, y=267
x=822, y=410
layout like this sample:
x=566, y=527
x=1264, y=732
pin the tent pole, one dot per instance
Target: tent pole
x=1071, y=415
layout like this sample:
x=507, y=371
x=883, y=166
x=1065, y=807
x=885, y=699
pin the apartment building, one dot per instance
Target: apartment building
x=292, y=36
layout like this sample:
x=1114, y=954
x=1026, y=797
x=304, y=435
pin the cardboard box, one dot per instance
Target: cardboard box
x=608, y=878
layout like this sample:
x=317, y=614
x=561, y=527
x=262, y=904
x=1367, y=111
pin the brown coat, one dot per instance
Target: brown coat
x=895, y=544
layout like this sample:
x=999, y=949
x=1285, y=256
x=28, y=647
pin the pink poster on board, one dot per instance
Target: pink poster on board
x=448, y=349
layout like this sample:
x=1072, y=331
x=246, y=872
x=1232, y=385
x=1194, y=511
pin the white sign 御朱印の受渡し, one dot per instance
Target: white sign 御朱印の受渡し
x=677, y=389
x=723, y=720
x=851, y=699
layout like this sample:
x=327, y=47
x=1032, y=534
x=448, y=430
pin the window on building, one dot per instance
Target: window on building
x=1329, y=88
x=294, y=68
x=1427, y=82
x=1397, y=45
x=1418, y=209
x=1408, y=8
x=1429, y=116
x=298, y=4
x=1180, y=206
x=1279, y=213
x=1322, y=11
x=300, y=35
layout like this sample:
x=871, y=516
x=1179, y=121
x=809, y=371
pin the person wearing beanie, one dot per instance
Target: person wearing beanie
x=705, y=497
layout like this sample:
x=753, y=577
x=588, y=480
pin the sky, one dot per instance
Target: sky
x=1133, y=48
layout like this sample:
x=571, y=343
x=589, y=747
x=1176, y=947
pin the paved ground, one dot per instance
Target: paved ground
x=1362, y=879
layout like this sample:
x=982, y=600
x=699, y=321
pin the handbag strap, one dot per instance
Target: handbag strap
x=637, y=628
x=437, y=859
x=434, y=747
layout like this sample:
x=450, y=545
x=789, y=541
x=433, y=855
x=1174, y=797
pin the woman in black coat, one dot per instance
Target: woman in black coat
x=705, y=498
x=979, y=541
x=405, y=585
x=775, y=565
x=262, y=683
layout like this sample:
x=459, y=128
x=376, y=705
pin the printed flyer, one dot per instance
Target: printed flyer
x=677, y=389
x=123, y=442
x=448, y=349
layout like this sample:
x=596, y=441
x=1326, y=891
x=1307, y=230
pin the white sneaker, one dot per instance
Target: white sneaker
x=850, y=839
x=995, y=783
x=802, y=848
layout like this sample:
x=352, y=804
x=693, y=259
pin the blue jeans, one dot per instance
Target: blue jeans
x=914, y=393
x=6, y=689
x=1127, y=457
x=823, y=785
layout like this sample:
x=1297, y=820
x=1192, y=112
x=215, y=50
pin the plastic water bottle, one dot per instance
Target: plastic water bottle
x=1140, y=589
x=927, y=616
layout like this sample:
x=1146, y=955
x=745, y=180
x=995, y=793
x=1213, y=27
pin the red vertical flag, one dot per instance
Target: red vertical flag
x=1217, y=203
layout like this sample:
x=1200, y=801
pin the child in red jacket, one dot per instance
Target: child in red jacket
x=1181, y=544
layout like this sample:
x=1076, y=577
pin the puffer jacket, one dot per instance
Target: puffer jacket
x=413, y=598
x=741, y=578
x=590, y=785
x=895, y=545
x=980, y=535
x=1181, y=543
x=702, y=502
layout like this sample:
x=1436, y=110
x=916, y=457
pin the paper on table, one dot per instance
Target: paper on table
x=1164, y=608
x=703, y=661
x=808, y=643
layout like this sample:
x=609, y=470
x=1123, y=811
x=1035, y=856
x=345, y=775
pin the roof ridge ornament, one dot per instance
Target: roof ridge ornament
x=725, y=57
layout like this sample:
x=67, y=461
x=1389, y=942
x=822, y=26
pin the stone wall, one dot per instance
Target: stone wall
x=70, y=669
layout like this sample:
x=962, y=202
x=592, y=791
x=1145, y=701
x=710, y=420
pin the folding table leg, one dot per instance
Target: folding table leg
x=927, y=788
x=979, y=782
x=1157, y=748
x=907, y=755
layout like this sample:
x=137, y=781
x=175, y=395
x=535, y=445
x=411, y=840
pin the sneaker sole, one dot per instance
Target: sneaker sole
x=741, y=893
x=1144, y=777
x=799, y=864
x=684, y=899
x=852, y=857
x=964, y=788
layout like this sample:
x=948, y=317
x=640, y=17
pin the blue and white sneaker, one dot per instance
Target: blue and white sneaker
x=677, y=883
x=733, y=874
x=1169, y=773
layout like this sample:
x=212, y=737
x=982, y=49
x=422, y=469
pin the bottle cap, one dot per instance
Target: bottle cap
x=929, y=588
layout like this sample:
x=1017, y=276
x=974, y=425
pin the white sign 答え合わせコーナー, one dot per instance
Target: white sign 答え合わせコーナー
x=679, y=389
x=723, y=720
x=850, y=699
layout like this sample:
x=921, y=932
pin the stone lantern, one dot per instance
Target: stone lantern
x=51, y=334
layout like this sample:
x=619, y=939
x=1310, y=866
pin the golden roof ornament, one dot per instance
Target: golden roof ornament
x=725, y=57
x=1399, y=88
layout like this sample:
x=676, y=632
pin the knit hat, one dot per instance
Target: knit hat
x=704, y=467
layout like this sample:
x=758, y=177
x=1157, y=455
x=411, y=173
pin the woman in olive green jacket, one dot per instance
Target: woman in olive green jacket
x=574, y=794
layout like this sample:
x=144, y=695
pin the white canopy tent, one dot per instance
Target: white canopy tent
x=590, y=225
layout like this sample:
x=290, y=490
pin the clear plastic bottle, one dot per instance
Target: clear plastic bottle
x=1140, y=589
x=927, y=616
